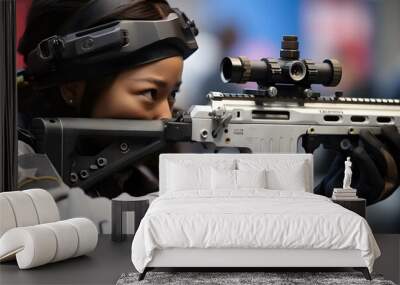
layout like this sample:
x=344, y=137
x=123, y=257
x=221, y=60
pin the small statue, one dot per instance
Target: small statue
x=347, y=174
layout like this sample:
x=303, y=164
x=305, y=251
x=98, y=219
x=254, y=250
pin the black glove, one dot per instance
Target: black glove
x=376, y=167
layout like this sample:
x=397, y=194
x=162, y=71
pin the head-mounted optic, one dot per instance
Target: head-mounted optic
x=110, y=47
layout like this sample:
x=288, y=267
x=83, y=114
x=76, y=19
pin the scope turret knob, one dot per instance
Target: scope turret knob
x=289, y=48
x=289, y=38
x=290, y=43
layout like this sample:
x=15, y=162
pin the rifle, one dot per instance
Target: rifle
x=283, y=115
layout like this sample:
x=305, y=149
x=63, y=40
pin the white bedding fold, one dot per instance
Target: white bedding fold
x=250, y=219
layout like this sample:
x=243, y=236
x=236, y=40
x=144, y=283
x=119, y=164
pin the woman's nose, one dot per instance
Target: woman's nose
x=163, y=111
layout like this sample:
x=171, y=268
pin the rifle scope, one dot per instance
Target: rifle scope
x=288, y=69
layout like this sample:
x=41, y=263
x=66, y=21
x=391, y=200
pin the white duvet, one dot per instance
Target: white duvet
x=250, y=219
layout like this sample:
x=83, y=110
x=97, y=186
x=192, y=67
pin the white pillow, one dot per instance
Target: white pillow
x=251, y=179
x=223, y=179
x=294, y=178
x=282, y=174
x=183, y=177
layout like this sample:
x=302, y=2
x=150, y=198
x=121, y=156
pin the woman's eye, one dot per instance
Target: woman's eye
x=149, y=94
x=173, y=93
x=172, y=97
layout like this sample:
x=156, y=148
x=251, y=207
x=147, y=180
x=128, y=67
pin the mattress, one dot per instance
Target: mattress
x=252, y=218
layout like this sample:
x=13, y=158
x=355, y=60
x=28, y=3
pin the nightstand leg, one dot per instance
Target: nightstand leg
x=116, y=221
x=364, y=271
x=142, y=275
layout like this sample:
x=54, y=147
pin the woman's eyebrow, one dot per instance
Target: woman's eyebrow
x=159, y=82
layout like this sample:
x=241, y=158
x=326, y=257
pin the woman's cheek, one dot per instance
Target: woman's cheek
x=122, y=106
x=132, y=107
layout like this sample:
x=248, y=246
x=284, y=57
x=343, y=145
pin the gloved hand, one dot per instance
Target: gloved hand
x=376, y=167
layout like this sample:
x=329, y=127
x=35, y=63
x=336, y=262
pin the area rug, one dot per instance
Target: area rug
x=244, y=278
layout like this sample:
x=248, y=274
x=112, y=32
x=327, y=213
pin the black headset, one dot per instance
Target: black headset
x=91, y=51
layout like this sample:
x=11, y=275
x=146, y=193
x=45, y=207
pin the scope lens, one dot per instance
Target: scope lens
x=297, y=70
x=231, y=70
x=226, y=70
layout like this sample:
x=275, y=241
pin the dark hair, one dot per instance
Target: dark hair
x=44, y=19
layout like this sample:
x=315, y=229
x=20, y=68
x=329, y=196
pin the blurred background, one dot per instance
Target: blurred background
x=362, y=34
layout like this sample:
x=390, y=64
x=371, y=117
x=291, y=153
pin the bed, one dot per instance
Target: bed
x=247, y=210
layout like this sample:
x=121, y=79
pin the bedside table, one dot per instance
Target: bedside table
x=357, y=205
x=120, y=205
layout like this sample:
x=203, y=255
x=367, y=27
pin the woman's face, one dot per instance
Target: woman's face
x=145, y=92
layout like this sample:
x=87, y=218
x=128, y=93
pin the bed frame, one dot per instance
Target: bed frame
x=246, y=258
x=243, y=259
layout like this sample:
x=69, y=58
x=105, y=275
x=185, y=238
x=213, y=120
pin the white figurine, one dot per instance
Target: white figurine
x=347, y=174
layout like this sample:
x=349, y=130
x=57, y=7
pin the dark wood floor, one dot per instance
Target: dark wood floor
x=103, y=266
x=110, y=259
